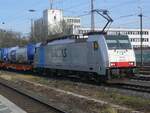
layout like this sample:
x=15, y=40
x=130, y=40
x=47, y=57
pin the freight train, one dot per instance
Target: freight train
x=99, y=56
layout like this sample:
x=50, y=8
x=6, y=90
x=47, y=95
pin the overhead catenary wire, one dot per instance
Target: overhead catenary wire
x=130, y=22
x=77, y=5
x=125, y=16
x=23, y=10
x=78, y=9
x=20, y=14
x=21, y=17
x=122, y=4
x=85, y=14
x=80, y=5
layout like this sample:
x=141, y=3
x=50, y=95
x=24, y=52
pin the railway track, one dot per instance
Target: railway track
x=141, y=77
x=144, y=70
x=140, y=84
x=29, y=104
x=136, y=85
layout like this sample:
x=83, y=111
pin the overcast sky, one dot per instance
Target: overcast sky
x=15, y=15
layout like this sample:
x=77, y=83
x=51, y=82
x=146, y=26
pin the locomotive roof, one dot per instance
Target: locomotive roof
x=74, y=38
x=63, y=37
x=95, y=33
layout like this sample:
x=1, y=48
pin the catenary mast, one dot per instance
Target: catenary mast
x=92, y=16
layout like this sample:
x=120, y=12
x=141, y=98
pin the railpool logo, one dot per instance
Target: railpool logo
x=120, y=52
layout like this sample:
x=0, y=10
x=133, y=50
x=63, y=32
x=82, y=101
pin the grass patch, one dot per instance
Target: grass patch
x=132, y=102
x=108, y=109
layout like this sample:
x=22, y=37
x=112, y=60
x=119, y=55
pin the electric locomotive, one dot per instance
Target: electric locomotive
x=100, y=55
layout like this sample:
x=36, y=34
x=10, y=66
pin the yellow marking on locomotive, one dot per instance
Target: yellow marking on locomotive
x=95, y=45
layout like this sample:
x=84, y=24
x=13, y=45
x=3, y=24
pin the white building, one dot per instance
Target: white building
x=74, y=23
x=52, y=19
x=134, y=35
x=50, y=23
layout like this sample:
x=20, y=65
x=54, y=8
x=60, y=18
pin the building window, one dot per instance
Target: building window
x=131, y=39
x=147, y=33
x=54, y=17
x=145, y=40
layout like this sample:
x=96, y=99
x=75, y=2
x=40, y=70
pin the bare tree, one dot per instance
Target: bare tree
x=10, y=39
x=46, y=32
x=62, y=29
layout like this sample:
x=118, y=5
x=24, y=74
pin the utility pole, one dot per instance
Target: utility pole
x=92, y=16
x=32, y=29
x=141, y=33
x=32, y=24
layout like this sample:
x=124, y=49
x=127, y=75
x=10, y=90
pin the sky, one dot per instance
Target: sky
x=15, y=14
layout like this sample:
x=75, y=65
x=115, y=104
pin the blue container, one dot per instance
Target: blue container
x=30, y=52
x=0, y=54
x=12, y=54
x=5, y=54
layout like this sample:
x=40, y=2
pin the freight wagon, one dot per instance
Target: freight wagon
x=18, y=58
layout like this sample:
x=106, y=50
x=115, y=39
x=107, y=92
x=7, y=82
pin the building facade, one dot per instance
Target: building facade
x=74, y=23
x=134, y=35
x=52, y=23
x=51, y=20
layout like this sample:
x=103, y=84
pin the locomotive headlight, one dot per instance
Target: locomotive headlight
x=131, y=63
x=112, y=64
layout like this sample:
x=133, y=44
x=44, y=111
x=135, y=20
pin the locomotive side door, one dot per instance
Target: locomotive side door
x=93, y=56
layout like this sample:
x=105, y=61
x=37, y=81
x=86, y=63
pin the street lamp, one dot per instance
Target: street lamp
x=32, y=23
x=31, y=10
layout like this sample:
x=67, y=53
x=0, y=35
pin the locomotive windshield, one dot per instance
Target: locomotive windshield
x=118, y=42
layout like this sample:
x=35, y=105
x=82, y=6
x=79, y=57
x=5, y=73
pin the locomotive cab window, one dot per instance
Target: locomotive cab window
x=118, y=42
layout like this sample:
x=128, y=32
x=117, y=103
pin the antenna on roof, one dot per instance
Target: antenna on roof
x=51, y=4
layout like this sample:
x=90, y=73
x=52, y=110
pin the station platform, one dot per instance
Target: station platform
x=7, y=106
